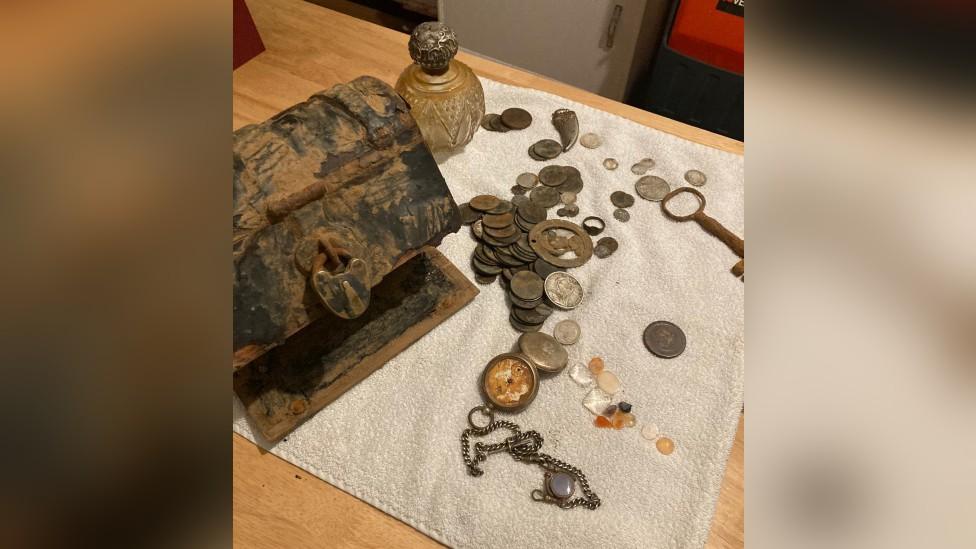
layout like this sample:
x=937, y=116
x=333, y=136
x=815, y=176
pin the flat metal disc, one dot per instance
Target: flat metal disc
x=544, y=351
x=652, y=187
x=516, y=118
x=664, y=339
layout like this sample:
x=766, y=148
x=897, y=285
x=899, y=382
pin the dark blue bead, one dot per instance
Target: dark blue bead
x=624, y=407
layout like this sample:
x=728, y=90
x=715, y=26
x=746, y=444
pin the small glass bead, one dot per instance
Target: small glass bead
x=602, y=422
x=596, y=365
x=665, y=445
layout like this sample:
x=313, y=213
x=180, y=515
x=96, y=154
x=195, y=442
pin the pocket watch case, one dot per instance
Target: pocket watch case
x=338, y=205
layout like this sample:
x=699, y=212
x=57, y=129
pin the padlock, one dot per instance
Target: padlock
x=345, y=292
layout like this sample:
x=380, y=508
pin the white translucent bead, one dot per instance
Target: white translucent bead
x=581, y=374
x=650, y=431
x=596, y=401
x=608, y=382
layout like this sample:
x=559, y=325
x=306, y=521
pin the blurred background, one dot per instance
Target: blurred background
x=861, y=301
x=678, y=58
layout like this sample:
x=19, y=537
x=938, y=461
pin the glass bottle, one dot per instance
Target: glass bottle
x=444, y=94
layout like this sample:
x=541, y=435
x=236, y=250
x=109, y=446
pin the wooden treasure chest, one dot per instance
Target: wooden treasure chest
x=337, y=206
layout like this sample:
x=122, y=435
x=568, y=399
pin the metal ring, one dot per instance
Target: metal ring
x=593, y=231
x=486, y=411
x=676, y=192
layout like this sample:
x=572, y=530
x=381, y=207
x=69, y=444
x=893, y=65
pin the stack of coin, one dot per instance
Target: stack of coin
x=526, y=292
x=510, y=119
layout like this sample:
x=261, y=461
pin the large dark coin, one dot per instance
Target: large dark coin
x=621, y=199
x=516, y=118
x=482, y=279
x=527, y=286
x=664, y=339
x=498, y=221
x=497, y=125
x=468, y=214
x=484, y=269
x=547, y=148
x=519, y=200
x=521, y=326
x=503, y=206
x=609, y=242
x=529, y=316
x=553, y=176
x=533, y=155
x=573, y=184
x=546, y=197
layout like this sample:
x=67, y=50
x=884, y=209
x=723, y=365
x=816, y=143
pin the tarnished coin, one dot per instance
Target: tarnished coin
x=593, y=225
x=527, y=180
x=570, y=210
x=503, y=206
x=529, y=316
x=497, y=125
x=486, y=121
x=546, y=197
x=664, y=339
x=518, y=190
x=543, y=268
x=522, y=326
x=573, y=184
x=641, y=167
x=563, y=290
x=610, y=242
x=552, y=176
x=601, y=251
x=695, y=177
x=621, y=215
x=544, y=351
x=566, y=332
x=482, y=279
x=621, y=199
x=533, y=155
x=567, y=198
x=477, y=230
x=590, y=140
x=610, y=163
x=484, y=202
x=468, y=214
x=547, y=148
x=519, y=200
x=527, y=286
x=652, y=187
x=532, y=212
x=497, y=221
x=516, y=118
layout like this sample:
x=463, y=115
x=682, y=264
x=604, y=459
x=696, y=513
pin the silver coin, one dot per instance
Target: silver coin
x=639, y=168
x=590, y=140
x=527, y=180
x=566, y=198
x=477, y=229
x=695, y=177
x=566, y=332
x=621, y=214
x=610, y=163
x=652, y=187
x=563, y=290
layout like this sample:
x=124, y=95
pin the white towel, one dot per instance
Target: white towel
x=393, y=439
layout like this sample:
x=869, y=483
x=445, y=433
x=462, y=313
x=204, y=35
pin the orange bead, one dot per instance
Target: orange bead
x=596, y=365
x=619, y=419
x=602, y=422
x=664, y=445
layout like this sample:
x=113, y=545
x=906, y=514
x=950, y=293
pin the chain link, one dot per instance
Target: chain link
x=524, y=447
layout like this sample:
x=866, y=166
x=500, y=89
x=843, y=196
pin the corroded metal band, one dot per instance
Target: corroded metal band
x=432, y=45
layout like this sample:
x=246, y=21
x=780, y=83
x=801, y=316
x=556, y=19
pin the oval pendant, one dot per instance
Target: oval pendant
x=560, y=485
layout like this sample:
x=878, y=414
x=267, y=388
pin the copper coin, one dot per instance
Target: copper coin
x=497, y=125
x=518, y=190
x=484, y=202
x=516, y=118
x=664, y=339
x=621, y=199
x=486, y=121
x=498, y=221
x=527, y=286
x=652, y=187
x=468, y=214
x=503, y=206
x=547, y=148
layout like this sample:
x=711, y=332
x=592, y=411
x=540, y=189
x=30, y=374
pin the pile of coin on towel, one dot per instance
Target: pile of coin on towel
x=646, y=310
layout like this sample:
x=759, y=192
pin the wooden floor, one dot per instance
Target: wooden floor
x=309, y=49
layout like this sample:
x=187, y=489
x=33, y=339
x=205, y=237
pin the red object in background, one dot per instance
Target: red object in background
x=247, y=41
x=704, y=32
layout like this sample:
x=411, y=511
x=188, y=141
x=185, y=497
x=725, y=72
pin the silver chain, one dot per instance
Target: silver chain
x=523, y=447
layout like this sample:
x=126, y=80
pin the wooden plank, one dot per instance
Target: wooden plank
x=270, y=509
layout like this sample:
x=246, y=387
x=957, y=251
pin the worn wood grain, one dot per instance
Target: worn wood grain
x=310, y=49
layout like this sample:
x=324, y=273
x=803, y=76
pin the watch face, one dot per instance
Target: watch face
x=510, y=381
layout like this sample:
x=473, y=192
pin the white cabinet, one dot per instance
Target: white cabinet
x=590, y=44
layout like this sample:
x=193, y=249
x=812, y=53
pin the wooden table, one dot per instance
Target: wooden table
x=309, y=49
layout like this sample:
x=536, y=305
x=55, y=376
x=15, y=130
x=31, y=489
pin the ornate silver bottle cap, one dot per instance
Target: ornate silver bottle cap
x=432, y=45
